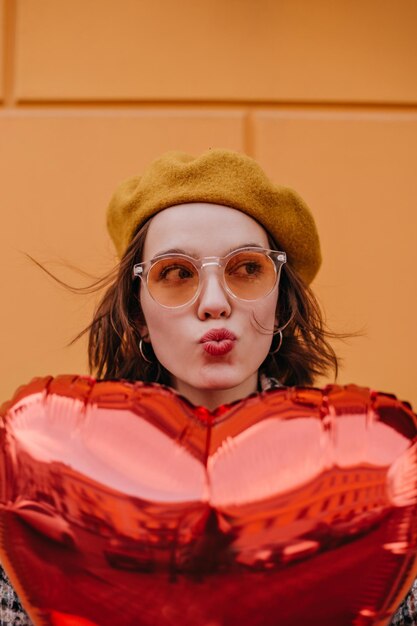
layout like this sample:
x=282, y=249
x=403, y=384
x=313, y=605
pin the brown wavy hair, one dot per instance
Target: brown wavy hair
x=114, y=335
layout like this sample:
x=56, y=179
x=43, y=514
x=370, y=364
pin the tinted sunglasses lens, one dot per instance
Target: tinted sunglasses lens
x=173, y=281
x=250, y=275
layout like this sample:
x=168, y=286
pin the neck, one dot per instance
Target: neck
x=212, y=398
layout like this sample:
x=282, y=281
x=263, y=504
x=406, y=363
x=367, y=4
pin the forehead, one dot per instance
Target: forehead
x=202, y=229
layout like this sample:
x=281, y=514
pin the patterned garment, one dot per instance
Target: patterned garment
x=11, y=611
x=13, y=614
x=407, y=613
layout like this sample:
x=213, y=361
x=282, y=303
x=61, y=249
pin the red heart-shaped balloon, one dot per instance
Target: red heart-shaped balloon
x=123, y=504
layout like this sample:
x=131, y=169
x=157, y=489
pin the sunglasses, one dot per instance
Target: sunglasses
x=175, y=280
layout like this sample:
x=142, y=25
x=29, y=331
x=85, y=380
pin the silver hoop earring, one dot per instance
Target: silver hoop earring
x=279, y=344
x=144, y=357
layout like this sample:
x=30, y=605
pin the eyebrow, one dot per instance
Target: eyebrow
x=195, y=255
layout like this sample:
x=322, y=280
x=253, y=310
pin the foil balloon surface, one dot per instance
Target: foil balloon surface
x=121, y=504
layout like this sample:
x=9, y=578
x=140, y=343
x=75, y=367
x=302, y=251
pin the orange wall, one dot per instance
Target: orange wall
x=322, y=93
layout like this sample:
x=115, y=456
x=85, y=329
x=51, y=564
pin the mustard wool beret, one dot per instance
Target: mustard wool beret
x=219, y=177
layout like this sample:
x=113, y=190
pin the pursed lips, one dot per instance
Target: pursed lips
x=218, y=341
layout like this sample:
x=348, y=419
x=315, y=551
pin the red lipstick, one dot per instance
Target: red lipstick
x=218, y=341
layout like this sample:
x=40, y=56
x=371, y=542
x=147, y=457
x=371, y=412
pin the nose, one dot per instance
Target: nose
x=213, y=301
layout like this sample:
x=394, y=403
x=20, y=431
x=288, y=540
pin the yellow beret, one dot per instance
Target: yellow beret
x=219, y=177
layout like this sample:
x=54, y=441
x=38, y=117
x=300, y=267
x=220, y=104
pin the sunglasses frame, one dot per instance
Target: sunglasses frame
x=141, y=270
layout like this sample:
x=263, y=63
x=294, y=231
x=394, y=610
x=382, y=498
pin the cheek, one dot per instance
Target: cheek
x=263, y=319
x=265, y=312
x=152, y=313
x=162, y=327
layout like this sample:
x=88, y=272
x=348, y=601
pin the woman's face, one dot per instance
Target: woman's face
x=200, y=230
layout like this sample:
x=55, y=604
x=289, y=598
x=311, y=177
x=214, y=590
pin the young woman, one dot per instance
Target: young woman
x=211, y=295
x=210, y=245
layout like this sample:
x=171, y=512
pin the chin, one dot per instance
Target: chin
x=216, y=381
x=217, y=386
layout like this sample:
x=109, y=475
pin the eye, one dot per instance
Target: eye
x=251, y=267
x=173, y=272
x=245, y=268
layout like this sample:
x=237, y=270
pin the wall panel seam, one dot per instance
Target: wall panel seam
x=218, y=104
